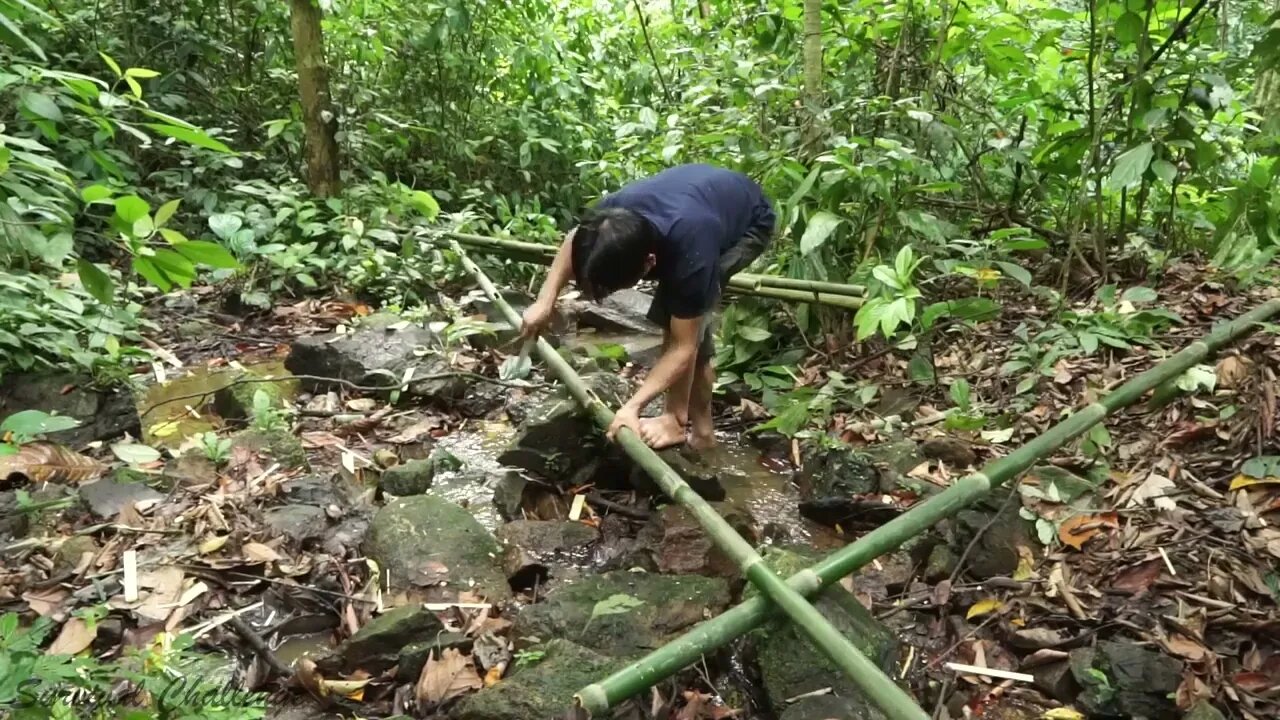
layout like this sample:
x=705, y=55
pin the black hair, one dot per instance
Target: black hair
x=609, y=249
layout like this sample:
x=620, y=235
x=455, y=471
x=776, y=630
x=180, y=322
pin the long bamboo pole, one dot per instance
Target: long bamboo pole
x=735, y=622
x=892, y=699
x=778, y=288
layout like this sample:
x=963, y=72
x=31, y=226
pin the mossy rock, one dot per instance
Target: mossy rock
x=540, y=689
x=235, y=400
x=791, y=666
x=279, y=445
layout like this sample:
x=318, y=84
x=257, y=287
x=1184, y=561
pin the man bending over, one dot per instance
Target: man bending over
x=691, y=228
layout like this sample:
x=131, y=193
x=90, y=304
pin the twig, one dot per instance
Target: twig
x=1070, y=599
x=619, y=508
x=644, y=29
x=259, y=646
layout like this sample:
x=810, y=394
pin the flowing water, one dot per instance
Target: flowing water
x=477, y=444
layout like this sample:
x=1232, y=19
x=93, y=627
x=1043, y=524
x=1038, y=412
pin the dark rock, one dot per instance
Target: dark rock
x=316, y=490
x=539, y=689
x=1204, y=710
x=14, y=523
x=996, y=553
x=791, y=666
x=432, y=546
x=1055, y=680
x=830, y=707
x=411, y=478
x=276, y=445
x=1126, y=680
x=235, y=399
x=482, y=399
x=299, y=523
x=509, y=494
x=412, y=657
x=347, y=536
x=68, y=554
x=942, y=562
x=531, y=548
x=954, y=452
x=834, y=483
x=107, y=497
x=382, y=344
x=681, y=547
x=620, y=312
x=103, y=414
x=706, y=479
x=667, y=605
x=376, y=646
x=556, y=437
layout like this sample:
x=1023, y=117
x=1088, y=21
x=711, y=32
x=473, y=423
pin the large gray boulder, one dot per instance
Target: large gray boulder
x=104, y=414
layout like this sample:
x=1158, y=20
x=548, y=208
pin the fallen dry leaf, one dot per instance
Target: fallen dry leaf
x=1077, y=529
x=1154, y=491
x=1138, y=578
x=1183, y=646
x=453, y=675
x=308, y=676
x=213, y=544
x=166, y=584
x=1243, y=481
x=46, y=602
x=983, y=607
x=415, y=432
x=1254, y=682
x=1231, y=370
x=75, y=638
x=49, y=462
x=258, y=552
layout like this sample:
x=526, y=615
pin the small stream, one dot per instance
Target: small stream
x=477, y=444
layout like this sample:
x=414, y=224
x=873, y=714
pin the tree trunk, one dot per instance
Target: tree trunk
x=318, y=118
x=812, y=66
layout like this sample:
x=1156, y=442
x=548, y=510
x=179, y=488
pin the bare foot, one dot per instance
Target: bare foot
x=662, y=432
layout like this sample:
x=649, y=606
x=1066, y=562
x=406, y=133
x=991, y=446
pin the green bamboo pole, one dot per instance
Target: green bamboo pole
x=892, y=699
x=709, y=635
x=778, y=288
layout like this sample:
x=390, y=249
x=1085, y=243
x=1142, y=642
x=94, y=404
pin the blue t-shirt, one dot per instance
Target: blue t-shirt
x=699, y=212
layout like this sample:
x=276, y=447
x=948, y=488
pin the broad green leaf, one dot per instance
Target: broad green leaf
x=615, y=605
x=58, y=248
x=131, y=208
x=973, y=309
x=65, y=299
x=135, y=453
x=173, y=237
x=1129, y=167
x=96, y=282
x=1139, y=294
x=191, y=136
x=29, y=424
x=42, y=105
x=885, y=275
x=306, y=279
x=206, y=253
x=178, y=268
x=224, y=225
x=134, y=86
x=16, y=31
x=143, y=227
x=425, y=204
x=147, y=269
x=820, y=227
x=115, y=67
x=753, y=334
x=1263, y=466
x=95, y=193
x=1129, y=28
x=1164, y=170
x=166, y=212
x=143, y=73
x=1015, y=271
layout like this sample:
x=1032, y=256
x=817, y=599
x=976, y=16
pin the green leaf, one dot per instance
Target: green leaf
x=1015, y=271
x=1139, y=294
x=224, y=225
x=1129, y=167
x=819, y=228
x=206, y=253
x=131, y=208
x=134, y=86
x=425, y=204
x=615, y=605
x=96, y=282
x=1129, y=28
x=95, y=193
x=1164, y=170
x=115, y=67
x=65, y=299
x=16, y=31
x=42, y=105
x=143, y=227
x=175, y=266
x=972, y=309
x=141, y=73
x=166, y=212
x=135, y=453
x=1263, y=466
x=190, y=136
x=147, y=269
x=960, y=393
x=29, y=424
x=753, y=334
x=173, y=237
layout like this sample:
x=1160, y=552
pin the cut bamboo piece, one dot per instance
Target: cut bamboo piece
x=879, y=688
x=849, y=297
x=737, y=621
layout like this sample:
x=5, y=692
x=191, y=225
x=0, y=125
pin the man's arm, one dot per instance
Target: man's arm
x=539, y=313
x=675, y=362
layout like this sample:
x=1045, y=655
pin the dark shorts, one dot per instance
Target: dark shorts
x=735, y=260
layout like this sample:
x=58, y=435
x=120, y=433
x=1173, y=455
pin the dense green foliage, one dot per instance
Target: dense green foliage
x=1012, y=145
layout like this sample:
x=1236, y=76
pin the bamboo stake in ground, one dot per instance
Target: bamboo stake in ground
x=892, y=699
x=737, y=621
x=840, y=295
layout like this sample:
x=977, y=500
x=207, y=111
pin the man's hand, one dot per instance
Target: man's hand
x=627, y=416
x=536, y=318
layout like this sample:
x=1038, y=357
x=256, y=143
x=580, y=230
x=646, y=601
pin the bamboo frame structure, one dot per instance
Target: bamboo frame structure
x=891, y=698
x=849, y=297
x=714, y=633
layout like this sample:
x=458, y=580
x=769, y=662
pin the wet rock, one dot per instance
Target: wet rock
x=829, y=707
x=235, y=400
x=431, y=546
x=412, y=657
x=942, y=562
x=706, y=479
x=381, y=344
x=347, y=536
x=531, y=548
x=107, y=497
x=1138, y=682
x=791, y=666
x=952, y=451
x=1055, y=680
x=103, y=414
x=1002, y=530
x=482, y=399
x=377, y=645
x=556, y=437
x=681, y=547
x=276, y=445
x=299, y=523
x=509, y=494
x=647, y=610
x=539, y=689
x=411, y=478
x=833, y=483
